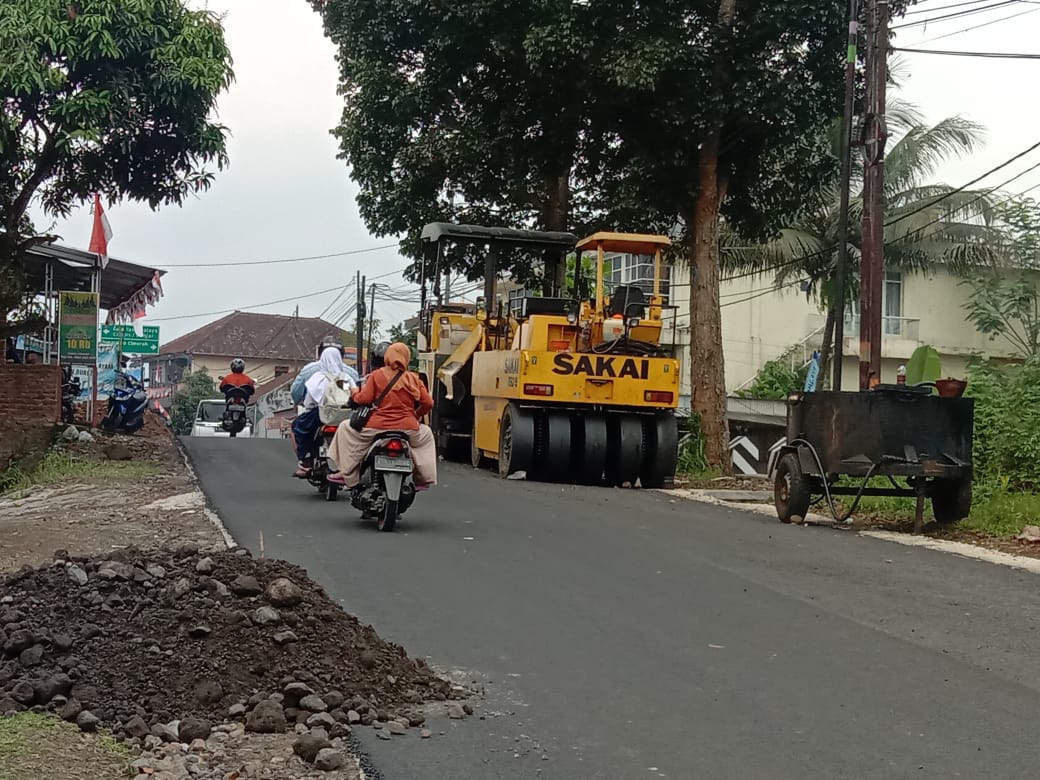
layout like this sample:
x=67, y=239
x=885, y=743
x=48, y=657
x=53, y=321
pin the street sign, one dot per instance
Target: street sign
x=148, y=344
x=77, y=327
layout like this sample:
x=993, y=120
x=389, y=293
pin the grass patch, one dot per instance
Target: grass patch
x=995, y=511
x=33, y=746
x=58, y=467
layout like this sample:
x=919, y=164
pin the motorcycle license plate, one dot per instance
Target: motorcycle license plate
x=384, y=463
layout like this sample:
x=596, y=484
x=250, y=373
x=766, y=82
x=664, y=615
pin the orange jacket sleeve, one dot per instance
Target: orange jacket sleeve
x=366, y=394
x=425, y=401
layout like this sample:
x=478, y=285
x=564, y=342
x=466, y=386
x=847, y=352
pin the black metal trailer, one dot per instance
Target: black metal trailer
x=894, y=431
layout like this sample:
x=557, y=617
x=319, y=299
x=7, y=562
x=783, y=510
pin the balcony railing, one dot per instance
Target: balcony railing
x=906, y=328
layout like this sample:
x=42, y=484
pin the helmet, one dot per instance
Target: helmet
x=325, y=343
x=238, y=365
x=378, y=354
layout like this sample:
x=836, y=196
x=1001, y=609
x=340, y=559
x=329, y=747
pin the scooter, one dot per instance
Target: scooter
x=387, y=488
x=235, y=419
x=321, y=470
x=70, y=391
x=126, y=405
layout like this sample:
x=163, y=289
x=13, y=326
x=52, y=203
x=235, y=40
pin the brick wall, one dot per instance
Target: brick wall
x=30, y=394
x=30, y=405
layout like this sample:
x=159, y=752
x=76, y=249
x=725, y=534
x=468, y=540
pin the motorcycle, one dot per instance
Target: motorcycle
x=317, y=475
x=70, y=391
x=235, y=419
x=387, y=488
x=126, y=405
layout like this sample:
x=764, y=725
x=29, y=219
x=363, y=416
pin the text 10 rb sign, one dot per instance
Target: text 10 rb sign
x=77, y=327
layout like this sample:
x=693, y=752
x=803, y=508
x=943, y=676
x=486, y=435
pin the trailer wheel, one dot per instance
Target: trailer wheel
x=792, y=490
x=951, y=500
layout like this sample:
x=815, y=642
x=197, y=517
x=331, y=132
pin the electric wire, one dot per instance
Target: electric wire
x=281, y=260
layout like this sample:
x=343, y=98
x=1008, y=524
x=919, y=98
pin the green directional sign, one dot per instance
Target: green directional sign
x=124, y=336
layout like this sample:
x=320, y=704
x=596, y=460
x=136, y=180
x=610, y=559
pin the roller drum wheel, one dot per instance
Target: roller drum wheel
x=516, y=441
x=555, y=466
x=624, y=449
x=589, y=448
x=661, y=450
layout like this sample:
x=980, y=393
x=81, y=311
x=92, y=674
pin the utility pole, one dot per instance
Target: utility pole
x=371, y=317
x=447, y=285
x=875, y=134
x=359, y=334
x=838, y=305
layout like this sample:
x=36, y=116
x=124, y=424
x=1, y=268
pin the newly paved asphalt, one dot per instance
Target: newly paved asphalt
x=621, y=634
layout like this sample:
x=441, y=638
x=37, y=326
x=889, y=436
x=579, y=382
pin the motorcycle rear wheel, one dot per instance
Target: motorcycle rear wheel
x=387, y=520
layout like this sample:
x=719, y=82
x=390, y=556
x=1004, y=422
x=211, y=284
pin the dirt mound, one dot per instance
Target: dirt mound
x=138, y=639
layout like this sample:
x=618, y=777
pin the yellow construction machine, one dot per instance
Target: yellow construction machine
x=566, y=389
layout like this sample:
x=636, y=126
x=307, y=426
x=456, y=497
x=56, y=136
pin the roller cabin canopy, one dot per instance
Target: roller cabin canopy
x=435, y=232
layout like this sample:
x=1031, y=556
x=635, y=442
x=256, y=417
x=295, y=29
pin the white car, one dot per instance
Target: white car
x=208, y=418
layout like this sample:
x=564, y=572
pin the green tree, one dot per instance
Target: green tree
x=1002, y=305
x=407, y=336
x=929, y=223
x=469, y=112
x=1003, y=301
x=198, y=386
x=101, y=96
x=717, y=113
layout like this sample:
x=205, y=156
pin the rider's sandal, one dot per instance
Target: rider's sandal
x=336, y=478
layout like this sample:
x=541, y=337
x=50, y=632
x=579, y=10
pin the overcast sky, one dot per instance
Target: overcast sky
x=285, y=194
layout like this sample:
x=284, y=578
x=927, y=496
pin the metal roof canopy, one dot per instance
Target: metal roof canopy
x=478, y=234
x=72, y=270
x=635, y=243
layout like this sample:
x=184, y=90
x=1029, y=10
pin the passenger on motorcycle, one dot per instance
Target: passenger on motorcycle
x=305, y=427
x=238, y=379
x=402, y=409
x=298, y=390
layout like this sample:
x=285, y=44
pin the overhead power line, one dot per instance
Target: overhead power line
x=337, y=288
x=282, y=260
x=761, y=291
x=996, y=55
x=955, y=15
x=980, y=26
x=828, y=249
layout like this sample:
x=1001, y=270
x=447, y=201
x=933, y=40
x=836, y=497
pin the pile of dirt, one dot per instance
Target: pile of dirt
x=141, y=639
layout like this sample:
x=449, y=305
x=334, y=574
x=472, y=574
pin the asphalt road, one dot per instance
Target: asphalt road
x=621, y=634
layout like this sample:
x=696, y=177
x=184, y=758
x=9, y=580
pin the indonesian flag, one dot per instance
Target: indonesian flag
x=102, y=232
x=138, y=317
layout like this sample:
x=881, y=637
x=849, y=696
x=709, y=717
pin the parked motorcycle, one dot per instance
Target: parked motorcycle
x=235, y=420
x=70, y=391
x=318, y=474
x=126, y=405
x=387, y=488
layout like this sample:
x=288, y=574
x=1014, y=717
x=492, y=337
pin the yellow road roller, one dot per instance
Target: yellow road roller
x=565, y=389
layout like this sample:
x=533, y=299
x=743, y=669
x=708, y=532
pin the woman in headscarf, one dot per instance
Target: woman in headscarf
x=401, y=410
x=331, y=368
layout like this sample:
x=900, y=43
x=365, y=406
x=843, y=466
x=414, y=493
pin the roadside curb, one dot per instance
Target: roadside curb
x=207, y=508
x=962, y=549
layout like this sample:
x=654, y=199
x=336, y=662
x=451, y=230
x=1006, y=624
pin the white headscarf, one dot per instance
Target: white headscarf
x=330, y=366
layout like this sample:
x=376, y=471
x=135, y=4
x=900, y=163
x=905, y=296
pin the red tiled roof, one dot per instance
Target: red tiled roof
x=274, y=384
x=256, y=336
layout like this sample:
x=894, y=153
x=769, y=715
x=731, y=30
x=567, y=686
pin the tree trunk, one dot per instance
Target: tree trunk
x=554, y=218
x=826, y=351
x=707, y=369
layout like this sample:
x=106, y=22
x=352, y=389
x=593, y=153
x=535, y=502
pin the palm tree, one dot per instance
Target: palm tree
x=925, y=224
